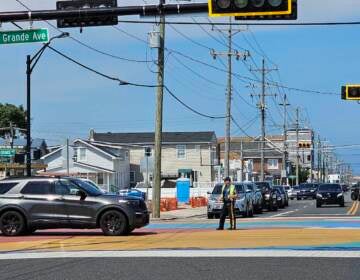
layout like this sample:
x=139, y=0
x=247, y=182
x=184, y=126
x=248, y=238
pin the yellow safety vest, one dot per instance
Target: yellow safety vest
x=232, y=191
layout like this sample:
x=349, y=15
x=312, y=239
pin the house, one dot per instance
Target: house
x=107, y=166
x=184, y=154
x=245, y=158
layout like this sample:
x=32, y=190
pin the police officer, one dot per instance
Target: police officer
x=228, y=195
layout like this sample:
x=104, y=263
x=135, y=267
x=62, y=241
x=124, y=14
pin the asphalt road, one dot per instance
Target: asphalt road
x=180, y=268
x=307, y=208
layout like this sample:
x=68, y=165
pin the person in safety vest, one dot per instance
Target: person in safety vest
x=228, y=196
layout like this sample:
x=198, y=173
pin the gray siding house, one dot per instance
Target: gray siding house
x=184, y=154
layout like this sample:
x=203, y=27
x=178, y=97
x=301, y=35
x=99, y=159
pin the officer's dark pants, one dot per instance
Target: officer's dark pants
x=228, y=210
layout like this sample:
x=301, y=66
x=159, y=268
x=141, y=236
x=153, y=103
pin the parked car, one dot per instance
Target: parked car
x=243, y=203
x=345, y=187
x=256, y=195
x=288, y=190
x=330, y=194
x=132, y=192
x=294, y=192
x=307, y=190
x=269, y=196
x=33, y=203
x=284, y=196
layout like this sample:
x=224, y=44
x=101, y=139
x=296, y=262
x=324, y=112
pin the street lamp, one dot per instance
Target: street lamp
x=30, y=65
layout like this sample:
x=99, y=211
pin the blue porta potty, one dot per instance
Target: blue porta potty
x=183, y=190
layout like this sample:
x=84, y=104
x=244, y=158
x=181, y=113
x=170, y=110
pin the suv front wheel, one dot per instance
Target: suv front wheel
x=12, y=223
x=113, y=223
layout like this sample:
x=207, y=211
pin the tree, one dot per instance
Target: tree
x=14, y=114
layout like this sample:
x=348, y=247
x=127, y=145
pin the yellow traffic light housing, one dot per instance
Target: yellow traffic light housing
x=351, y=92
x=251, y=8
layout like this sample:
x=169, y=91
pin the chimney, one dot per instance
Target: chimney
x=91, y=137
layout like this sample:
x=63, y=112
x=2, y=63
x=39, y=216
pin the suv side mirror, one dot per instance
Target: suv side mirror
x=82, y=194
x=208, y=192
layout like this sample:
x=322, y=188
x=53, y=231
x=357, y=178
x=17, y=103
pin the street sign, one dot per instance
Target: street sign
x=7, y=153
x=24, y=36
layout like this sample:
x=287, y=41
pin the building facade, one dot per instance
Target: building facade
x=107, y=166
x=184, y=154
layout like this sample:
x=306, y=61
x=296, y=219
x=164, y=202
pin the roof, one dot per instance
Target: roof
x=252, y=150
x=149, y=137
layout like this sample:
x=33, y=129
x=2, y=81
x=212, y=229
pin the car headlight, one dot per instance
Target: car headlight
x=133, y=203
x=340, y=195
x=267, y=196
x=319, y=195
x=312, y=190
x=279, y=198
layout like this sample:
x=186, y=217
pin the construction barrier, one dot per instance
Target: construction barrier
x=199, y=201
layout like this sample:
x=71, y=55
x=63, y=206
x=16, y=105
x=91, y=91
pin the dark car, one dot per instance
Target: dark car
x=330, y=194
x=269, y=196
x=307, y=190
x=284, y=196
x=35, y=203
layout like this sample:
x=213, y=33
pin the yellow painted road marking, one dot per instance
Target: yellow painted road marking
x=351, y=208
x=355, y=208
x=185, y=240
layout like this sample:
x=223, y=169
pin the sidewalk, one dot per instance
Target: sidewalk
x=184, y=212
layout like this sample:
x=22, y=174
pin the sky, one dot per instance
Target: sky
x=68, y=101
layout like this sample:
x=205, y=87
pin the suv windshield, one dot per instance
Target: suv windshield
x=87, y=187
x=330, y=188
x=249, y=187
x=279, y=188
x=264, y=186
x=217, y=189
x=239, y=188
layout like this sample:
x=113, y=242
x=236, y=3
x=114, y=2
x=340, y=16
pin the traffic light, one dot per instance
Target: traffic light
x=254, y=9
x=86, y=21
x=350, y=92
x=147, y=151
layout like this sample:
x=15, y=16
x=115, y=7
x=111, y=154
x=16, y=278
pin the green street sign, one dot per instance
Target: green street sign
x=24, y=36
x=7, y=153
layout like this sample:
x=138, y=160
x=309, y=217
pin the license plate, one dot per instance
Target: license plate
x=217, y=206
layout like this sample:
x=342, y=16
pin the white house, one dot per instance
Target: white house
x=107, y=166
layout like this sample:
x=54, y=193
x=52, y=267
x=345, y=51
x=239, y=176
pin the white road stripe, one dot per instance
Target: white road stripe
x=282, y=214
x=183, y=254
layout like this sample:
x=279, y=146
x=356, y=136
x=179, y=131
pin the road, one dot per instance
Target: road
x=181, y=268
x=298, y=242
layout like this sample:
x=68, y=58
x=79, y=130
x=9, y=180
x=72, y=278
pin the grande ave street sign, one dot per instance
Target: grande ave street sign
x=7, y=153
x=24, y=36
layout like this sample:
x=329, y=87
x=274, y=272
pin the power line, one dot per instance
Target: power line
x=245, y=23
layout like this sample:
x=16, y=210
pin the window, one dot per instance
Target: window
x=81, y=154
x=132, y=177
x=273, y=164
x=40, y=187
x=100, y=179
x=197, y=148
x=181, y=152
x=66, y=187
x=5, y=187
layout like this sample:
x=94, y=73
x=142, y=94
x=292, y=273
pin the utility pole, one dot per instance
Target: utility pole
x=67, y=158
x=297, y=146
x=319, y=161
x=230, y=53
x=262, y=107
x=156, y=194
x=285, y=104
x=28, y=116
x=242, y=161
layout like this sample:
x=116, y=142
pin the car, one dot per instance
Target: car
x=269, y=196
x=284, y=196
x=294, y=190
x=345, y=187
x=288, y=190
x=243, y=203
x=307, y=190
x=330, y=194
x=256, y=195
x=31, y=203
x=132, y=192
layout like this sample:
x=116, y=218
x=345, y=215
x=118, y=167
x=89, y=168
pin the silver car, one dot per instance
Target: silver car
x=243, y=203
